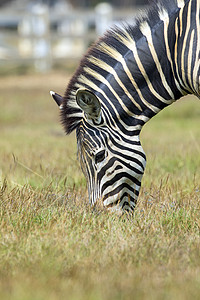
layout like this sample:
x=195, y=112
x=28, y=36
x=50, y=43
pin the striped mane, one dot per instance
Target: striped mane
x=71, y=114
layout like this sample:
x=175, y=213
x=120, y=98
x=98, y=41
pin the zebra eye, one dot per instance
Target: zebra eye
x=100, y=156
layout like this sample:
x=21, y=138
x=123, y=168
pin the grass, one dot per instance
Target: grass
x=53, y=245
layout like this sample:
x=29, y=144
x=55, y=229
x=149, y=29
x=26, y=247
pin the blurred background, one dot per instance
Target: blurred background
x=41, y=35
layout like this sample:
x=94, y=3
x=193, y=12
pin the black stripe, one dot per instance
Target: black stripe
x=119, y=177
x=105, y=169
x=126, y=157
x=118, y=189
x=122, y=147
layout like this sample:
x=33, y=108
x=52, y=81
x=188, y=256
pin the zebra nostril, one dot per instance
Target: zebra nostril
x=110, y=173
x=118, y=167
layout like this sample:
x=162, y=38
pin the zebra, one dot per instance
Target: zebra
x=128, y=76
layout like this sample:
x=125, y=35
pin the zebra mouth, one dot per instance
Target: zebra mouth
x=113, y=204
x=124, y=203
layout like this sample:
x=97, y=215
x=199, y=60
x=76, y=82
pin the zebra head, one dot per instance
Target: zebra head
x=112, y=163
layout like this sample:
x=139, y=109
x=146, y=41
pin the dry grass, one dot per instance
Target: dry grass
x=54, y=246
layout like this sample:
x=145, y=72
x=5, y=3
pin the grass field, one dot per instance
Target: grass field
x=54, y=246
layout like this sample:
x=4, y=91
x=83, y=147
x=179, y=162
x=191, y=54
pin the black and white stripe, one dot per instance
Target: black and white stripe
x=126, y=78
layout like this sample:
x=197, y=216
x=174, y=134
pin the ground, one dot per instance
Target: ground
x=53, y=245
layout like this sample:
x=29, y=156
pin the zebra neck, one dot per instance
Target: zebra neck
x=162, y=66
x=138, y=70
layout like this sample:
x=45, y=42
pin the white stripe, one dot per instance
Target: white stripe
x=130, y=43
x=88, y=82
x=176, y=53
x=189, y=62
x=196, y=80
x=106, y=82
x=165, y=18
x=116, y=197
x=117, y=56
x=183, y=53
x=180, y=3
x=146, y=30
x=112, y=71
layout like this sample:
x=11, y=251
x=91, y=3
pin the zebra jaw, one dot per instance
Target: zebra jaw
x=57, y=98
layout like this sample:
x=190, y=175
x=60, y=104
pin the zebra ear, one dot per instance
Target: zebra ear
x=58, y=98
x=89, y=103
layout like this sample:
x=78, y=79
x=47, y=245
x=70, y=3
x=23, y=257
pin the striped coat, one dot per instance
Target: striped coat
x=126, y=78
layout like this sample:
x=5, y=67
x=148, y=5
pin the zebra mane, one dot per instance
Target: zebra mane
x=71, y=114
